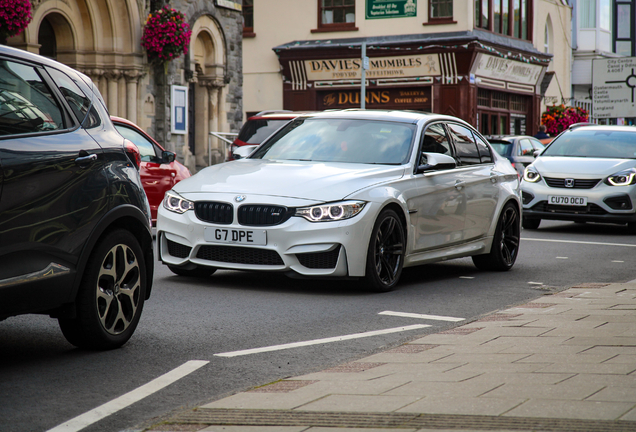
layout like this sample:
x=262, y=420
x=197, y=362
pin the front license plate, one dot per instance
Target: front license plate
x=567, y=200
x=234, y=235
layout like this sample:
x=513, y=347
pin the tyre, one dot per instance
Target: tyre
x=631, y=227
x=193, y=271
x=530, y=223
x=505, y=244
x=111, y=295
x=385, y=256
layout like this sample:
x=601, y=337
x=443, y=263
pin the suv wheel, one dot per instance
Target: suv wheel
x=111, y=295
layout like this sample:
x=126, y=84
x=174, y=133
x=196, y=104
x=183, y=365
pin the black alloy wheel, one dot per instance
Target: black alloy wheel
x=505, y=243
x=385, y=256
x=111, y=295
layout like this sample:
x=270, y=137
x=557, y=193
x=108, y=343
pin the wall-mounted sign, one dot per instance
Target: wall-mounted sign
x=419, y=98
x=390, y=9
x=179, y=104
x=614, y=87
x=230, y=4
x=503, y=69
x=379, y=67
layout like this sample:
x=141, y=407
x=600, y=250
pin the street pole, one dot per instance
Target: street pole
x=363, y=87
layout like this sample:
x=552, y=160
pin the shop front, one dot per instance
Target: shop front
x=464, y=74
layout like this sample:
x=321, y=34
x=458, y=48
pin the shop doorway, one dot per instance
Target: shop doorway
x=493, y=123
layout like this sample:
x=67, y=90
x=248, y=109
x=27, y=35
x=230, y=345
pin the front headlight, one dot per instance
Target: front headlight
x=623, y=178
x=176, y=203
x=331, y=212
x=531, y=175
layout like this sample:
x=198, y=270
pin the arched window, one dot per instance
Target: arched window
x=46, y=39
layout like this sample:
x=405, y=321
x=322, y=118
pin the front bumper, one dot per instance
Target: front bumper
x=314, y=249
x=605, y=203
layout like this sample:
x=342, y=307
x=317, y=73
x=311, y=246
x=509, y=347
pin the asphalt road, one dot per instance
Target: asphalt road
x=45, y=382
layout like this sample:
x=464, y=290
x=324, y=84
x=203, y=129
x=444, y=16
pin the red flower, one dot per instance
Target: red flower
x=15, y=16
x=558, y=118
x=166, y=35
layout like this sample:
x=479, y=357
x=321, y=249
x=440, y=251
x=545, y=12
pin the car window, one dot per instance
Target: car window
x=502, y=147
x=484, y=150
x=255, y=131
x=435, y=140
x=147, y=149
x=525, y=148
x=78, y=101
x=341, y=140
x=538, y=145
x=26, y=103
x=596, y=143
x=467, y=152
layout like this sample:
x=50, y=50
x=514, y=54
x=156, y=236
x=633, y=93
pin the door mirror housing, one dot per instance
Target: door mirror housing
x=436, y=162
x=168, y=157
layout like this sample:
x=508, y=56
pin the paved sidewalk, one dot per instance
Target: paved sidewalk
x=563, y=362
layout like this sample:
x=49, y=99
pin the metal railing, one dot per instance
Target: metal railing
x=222, y=136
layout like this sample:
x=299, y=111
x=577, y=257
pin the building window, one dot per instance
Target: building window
x=587, y=11
x=499, y=100
x=483, y=97
x=518, y=103
x=623, y=27
x=248, y=18
x=508, y=17
x=334, y=15
x=441, y=9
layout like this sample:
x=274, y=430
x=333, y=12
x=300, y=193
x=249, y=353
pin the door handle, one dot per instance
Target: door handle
x=85, y=160
x=459, y=185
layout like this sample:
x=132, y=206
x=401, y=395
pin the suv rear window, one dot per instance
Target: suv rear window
x=255, y=131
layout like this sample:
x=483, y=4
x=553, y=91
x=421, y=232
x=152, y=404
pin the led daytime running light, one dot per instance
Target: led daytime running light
x=531, y=176
x=176, y=203
x=331, y=212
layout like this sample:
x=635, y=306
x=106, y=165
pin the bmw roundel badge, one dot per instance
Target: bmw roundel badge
x=239, y=198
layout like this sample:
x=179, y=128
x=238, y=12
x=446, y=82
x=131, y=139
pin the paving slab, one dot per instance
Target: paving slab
x=571, y=409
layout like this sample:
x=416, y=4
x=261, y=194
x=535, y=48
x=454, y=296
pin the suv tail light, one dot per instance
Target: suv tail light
x=133, y=153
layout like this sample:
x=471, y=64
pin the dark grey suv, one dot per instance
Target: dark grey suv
x=75, y=238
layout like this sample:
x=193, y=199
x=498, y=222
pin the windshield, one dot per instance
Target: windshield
x=594, y=143
x=341, y=140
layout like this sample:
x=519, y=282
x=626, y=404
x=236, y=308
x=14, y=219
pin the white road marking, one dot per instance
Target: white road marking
x=616, y=261
x=562, y=257
x=467, y=277
x=421, y=316
x=82, y=421
x=535, y=283
x=321, y=341
x=579, y=242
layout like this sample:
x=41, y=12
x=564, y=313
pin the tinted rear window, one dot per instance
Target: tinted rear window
x=594, y=143
x=255, y=131
x=504, y=148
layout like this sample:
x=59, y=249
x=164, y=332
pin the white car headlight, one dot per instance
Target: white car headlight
x=176, y=203
x=531, y=175
x=622, y=178
x=331, y=212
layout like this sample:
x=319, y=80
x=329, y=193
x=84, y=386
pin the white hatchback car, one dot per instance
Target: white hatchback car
x=586, y=174
x=348, y=194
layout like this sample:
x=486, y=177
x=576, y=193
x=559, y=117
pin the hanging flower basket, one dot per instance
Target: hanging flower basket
x=15, y=16
x=557, y=118
x=166, y=35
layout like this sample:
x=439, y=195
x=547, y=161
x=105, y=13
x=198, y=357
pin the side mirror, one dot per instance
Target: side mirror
x=435, y=162
x=168, y=157
x=536, y=153
x=243, y=151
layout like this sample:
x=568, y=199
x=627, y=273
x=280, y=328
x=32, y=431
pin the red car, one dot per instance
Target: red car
x=159, y=170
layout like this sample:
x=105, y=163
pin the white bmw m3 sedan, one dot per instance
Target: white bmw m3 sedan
x=348, y=194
